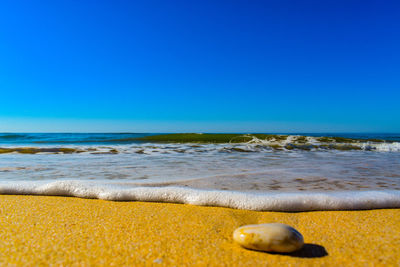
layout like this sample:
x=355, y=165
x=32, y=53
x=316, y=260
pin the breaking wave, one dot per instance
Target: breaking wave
x=254, y=145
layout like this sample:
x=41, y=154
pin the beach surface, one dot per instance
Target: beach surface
x=44, y=230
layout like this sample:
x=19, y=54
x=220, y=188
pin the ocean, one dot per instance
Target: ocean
x=286, y=172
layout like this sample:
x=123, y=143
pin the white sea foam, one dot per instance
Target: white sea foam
x=388, y=147
x=254, y=145
x=352, y=200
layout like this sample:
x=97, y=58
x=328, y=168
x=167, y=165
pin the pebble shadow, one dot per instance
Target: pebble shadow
x=308, y=251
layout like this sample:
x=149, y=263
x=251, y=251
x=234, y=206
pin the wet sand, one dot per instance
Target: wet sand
x=39, y=230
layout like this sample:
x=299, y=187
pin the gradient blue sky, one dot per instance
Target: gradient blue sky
x=209, y=66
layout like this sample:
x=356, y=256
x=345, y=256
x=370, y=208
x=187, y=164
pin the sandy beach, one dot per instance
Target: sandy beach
x=36, y=230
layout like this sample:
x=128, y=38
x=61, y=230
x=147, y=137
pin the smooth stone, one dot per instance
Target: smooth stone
x=271, y=237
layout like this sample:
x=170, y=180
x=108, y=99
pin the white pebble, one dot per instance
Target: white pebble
x=271, y=237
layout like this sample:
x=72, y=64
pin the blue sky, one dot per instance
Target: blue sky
x=209, y=66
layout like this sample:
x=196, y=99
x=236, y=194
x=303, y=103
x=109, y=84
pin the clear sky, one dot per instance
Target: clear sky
x=209, y=66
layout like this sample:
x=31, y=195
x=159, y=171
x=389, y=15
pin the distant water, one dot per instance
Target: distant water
x=69, y=138
x=247, y=175
x=129, y=138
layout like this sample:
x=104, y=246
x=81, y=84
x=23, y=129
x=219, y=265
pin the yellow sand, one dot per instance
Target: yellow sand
x=71, y=231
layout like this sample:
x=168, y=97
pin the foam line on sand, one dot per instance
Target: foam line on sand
x=278, y=201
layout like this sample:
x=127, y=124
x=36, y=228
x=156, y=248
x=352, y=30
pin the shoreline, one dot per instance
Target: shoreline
x=279, y=201
x=47, y=230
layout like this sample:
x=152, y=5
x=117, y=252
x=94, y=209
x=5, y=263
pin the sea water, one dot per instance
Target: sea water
x=249, y=175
